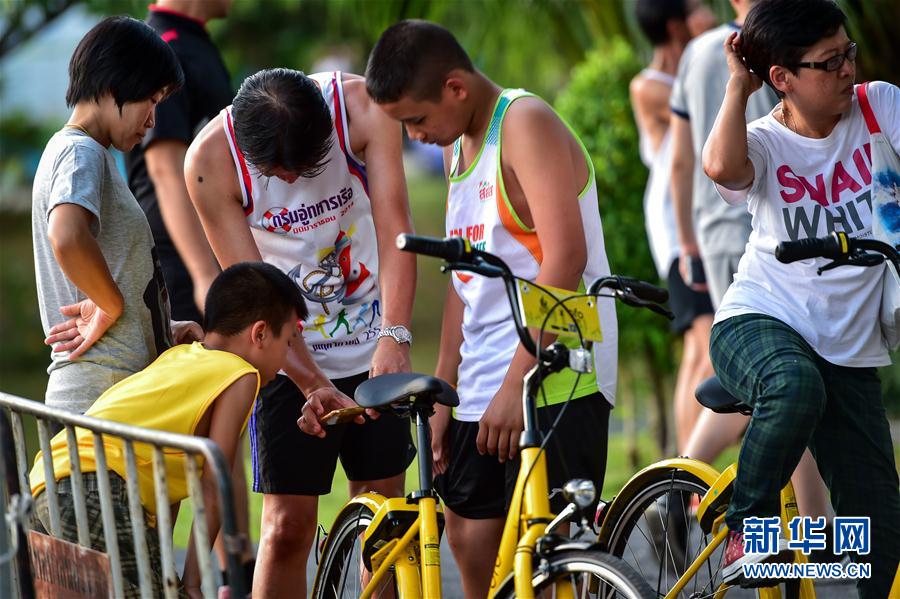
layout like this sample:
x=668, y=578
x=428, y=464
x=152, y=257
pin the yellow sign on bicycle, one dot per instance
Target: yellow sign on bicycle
x=568, y=317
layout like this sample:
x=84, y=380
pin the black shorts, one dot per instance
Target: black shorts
x=478, y=486
x=686, y=304
x=288, y=461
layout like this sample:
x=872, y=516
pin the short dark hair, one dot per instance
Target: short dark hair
x=413, y=57
x=248, y=292
x=778, y=32
x=281, y=120
x=123, y=57
x=653, y=15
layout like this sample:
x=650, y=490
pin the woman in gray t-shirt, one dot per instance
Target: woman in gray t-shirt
x=103, y=302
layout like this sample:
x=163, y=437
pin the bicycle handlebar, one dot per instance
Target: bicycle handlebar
x=814, y=247
x=840, y=248
x=460, y=255
x=452, y=249
x=641, y=289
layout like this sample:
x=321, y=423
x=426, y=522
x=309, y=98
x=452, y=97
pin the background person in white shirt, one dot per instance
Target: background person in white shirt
x=800, y=348
x=669, y=26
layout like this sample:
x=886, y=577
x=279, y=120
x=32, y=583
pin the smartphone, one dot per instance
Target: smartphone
x=341, y=416
x=695, y=273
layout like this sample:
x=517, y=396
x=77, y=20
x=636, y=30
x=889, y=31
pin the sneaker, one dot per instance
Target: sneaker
x=735, y=559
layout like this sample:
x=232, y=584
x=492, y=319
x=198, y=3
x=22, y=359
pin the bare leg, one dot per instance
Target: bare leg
x=810, y=489
x=241, y=511
x=389, y=487
x=288, y=529
x=474, y=544
x=695, y=368
x=714, y=433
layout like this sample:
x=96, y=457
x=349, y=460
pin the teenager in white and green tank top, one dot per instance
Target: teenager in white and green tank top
x=478, y=209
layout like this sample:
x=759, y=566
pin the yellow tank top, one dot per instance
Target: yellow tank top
x=172, y=394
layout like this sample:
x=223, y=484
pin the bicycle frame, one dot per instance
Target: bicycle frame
x=416, y=573
x=529, y=509
x=717, y=483
x=413, y=578
x=420, y=572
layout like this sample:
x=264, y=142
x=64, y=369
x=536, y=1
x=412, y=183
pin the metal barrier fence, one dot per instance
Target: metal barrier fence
x=159, y=440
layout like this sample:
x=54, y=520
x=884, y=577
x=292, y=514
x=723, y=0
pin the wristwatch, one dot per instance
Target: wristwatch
x=398, y=333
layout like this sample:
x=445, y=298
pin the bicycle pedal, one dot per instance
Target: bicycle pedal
x=761, y=583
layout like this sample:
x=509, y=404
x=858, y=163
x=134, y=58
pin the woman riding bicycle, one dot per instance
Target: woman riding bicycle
x=801, y=348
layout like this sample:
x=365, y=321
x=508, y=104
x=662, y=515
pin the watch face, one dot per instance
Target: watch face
x=398, y=333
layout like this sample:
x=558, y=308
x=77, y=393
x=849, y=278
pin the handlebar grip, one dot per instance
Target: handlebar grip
x=646, y=291
x=451, y=249
x=832, y=247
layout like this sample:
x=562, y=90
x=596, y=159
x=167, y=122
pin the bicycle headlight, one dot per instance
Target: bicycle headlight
x=580, y=491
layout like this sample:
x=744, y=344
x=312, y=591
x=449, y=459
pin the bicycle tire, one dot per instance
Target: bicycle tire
x=637, y=523
x=338, y=574
x=609, y=576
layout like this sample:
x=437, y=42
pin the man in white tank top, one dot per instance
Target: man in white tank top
x=669, y=25
x=521, y=186
x=301, y=171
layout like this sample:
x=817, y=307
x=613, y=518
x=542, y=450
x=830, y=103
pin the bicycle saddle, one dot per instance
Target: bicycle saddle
x=712, y=395
x=401, y=386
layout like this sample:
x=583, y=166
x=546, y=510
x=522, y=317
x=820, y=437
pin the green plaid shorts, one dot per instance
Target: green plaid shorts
x=801, y=400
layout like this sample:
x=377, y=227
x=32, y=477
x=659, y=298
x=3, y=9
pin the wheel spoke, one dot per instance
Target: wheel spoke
x=671, y=535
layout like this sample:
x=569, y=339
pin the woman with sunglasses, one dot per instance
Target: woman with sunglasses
x=802, y=349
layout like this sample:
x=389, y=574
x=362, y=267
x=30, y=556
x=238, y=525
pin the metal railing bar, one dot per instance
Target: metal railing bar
x=201, y=534
x=106, y=511
x=164, y=525
x=18, y=431
x=49, y=479
x=81, y=521
x=136, y=512
x=20, y=570
x=109, y=427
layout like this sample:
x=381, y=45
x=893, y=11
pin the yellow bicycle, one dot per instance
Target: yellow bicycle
x=667, y=522
x=391, y=546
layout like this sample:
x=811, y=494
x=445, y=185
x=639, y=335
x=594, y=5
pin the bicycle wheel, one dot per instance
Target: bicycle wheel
x=583, y=574
x=341, y=571
x=656, y=533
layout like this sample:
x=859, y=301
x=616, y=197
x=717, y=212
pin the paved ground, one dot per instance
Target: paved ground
x=452, y=589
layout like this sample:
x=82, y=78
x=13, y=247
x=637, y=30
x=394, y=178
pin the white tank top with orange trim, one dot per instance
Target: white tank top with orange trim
x=320, y=232
x=478, y=209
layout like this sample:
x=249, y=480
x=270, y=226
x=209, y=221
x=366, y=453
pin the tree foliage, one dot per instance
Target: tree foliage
x=597, y=105
x=22, y=19
x=532, y=43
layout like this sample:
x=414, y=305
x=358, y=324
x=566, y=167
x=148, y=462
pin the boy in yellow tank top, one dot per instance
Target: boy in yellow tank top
x=205, y=389
x=522, y=187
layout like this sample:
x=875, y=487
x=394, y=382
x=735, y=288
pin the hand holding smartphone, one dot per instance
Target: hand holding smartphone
x=341, y=416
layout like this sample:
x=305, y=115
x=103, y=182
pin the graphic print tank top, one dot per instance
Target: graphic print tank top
x=320, y=232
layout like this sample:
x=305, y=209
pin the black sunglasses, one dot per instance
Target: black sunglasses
x=833, y=63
